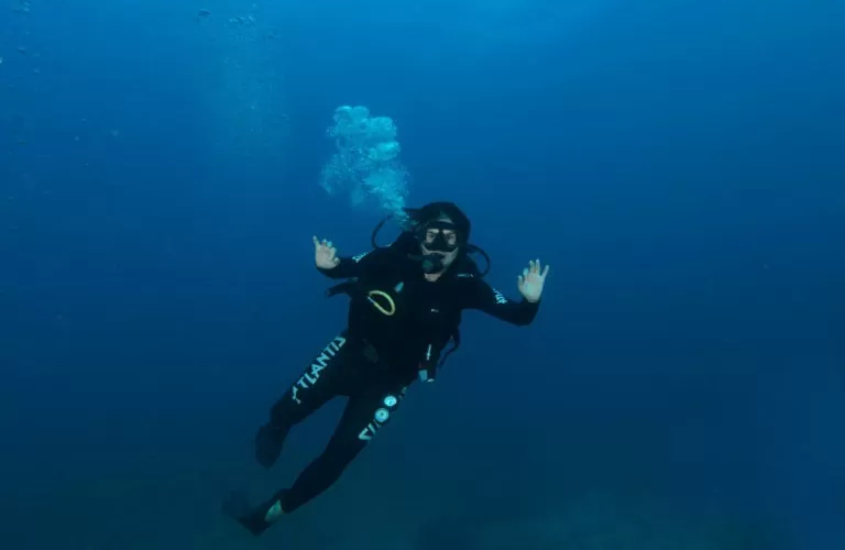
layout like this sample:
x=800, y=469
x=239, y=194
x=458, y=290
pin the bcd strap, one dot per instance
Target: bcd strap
x=428, y=371
x=346, y=287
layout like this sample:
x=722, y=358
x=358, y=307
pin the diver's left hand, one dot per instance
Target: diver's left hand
x=532, y=280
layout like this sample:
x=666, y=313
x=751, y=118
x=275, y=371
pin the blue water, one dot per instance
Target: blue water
x=679, y=164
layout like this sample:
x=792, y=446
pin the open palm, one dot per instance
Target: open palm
x=325, y=255
x=531, y=281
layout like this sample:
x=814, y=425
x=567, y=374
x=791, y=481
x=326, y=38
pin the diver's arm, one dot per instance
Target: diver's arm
x=480, y=295
x=336, y=267
x=353, y=266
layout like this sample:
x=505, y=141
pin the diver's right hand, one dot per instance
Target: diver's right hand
x=325, y=255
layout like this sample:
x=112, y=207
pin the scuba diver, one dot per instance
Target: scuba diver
x=405, y=308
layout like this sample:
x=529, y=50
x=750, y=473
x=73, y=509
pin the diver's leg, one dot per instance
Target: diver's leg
x=322, y=380
x=366, y=412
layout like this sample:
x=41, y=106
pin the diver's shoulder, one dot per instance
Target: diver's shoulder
x=465, y=269
x=466, y=276
x=466, y=281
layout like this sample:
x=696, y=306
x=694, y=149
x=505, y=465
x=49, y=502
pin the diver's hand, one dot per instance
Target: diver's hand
x=532, y=280
x=325, y=255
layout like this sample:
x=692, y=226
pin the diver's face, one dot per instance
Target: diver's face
x=443, y=242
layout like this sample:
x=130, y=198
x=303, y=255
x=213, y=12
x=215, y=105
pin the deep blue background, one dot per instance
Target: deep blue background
x=679, y=164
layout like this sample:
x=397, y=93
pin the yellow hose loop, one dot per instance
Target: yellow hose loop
x=378, y=306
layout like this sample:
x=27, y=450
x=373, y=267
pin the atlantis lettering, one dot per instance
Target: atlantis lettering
x=312, y=373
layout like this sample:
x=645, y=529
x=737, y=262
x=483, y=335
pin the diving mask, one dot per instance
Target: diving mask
x=439, y=236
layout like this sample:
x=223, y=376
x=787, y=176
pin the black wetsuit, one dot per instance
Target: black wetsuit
x=374, y=360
